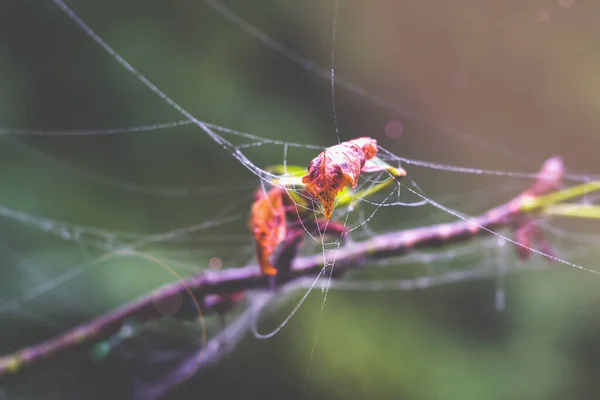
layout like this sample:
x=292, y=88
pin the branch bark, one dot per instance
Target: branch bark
x=228, y=282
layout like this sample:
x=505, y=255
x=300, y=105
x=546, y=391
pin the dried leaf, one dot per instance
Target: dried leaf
x=528, y=234
x=523, y=238
x=268, y=225
x=337, y=167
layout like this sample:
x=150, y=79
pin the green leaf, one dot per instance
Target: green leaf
x=574, y=210
x=552, y=199
x=287, y=170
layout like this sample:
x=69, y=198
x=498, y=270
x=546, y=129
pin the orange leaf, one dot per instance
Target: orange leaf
x=268, y=225
x=337, y=167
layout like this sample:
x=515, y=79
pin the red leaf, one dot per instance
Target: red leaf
x=337, y=167
x=268, y=225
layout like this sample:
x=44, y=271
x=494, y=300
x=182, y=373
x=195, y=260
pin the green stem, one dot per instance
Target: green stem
x=546, y=201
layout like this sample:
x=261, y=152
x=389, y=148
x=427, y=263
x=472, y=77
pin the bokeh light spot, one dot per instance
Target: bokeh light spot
x=566, y=3
x=461, y=79
x=167, y=307
x=543, y=16
x=215, y=263
x=394, y=129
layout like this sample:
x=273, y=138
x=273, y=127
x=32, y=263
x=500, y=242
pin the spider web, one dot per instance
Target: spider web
x=73, y=222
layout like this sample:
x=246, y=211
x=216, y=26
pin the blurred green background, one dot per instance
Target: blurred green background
x=499, y=85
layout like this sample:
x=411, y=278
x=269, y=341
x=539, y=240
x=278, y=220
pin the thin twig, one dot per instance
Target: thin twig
x=225, y=342
x=235, y=280
x=216, y=349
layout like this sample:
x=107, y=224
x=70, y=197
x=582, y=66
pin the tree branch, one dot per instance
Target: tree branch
x=225, y=342
x=215, y=289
